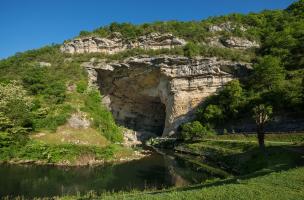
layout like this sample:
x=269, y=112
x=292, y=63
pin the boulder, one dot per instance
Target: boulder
x=239, y=43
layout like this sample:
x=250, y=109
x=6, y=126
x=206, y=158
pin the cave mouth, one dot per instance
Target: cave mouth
x=133, y=97
x=146, y=115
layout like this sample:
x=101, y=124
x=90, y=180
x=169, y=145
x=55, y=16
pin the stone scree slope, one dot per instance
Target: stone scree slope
x=158, y=94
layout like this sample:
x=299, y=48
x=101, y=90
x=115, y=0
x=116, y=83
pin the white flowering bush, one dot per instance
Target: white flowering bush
x=15, y=106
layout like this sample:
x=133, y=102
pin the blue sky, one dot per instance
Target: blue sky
x=28, y=24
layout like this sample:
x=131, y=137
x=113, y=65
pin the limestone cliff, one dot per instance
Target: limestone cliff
x=158, y=94
x=116, y=43
x=231, y=42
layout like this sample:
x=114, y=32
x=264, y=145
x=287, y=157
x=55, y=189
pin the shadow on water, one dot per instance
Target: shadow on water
x=253, y=163
x=155, y=171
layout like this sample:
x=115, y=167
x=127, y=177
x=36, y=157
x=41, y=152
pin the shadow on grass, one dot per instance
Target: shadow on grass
x=254, y=163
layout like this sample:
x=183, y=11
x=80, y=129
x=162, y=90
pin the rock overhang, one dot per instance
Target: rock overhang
x=152, y=93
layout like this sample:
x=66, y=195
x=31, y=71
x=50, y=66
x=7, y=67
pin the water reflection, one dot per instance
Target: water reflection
x=155, y=171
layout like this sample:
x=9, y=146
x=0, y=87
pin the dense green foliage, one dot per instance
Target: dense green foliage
x=46, y=86
x=195, y=130
x=102, y=118
x=15, y=107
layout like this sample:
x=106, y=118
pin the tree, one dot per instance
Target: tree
x=194, y=130
x=213, y=114
x=191, y=50
x=297, y=8
x=15, y=106
x=268, y=73
x=5, y=122
x=231, y=98
x=84, y=33
x=261, y=115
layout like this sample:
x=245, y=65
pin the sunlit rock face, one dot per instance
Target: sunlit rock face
x=158, y=94
x=231, y=42
x=116, y=43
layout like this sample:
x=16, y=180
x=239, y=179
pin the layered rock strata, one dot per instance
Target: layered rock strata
x=158, y=94
x=116, y=43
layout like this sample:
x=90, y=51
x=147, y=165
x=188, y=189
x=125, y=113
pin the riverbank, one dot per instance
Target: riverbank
x=240, y=155
x=276, y=174
x=79, y=163
x=40, y=153
x=283, y=185
x=239, y=171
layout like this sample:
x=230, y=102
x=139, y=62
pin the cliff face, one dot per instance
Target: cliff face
x=158, y=94
x=116, y=43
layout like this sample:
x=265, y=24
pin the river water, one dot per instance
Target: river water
x=155, y=171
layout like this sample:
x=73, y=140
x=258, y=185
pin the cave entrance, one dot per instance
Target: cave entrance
x=146, y=114
x=132, y=96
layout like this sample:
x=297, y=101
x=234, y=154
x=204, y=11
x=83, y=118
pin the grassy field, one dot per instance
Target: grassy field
x=283, y=137
x=242, y=156
x=66, y=146
x=277, y=185
x=68, y=135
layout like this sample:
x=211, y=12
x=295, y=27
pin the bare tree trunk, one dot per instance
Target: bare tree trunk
x=261, y=137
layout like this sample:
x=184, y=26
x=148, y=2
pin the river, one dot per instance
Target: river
x=155, y=171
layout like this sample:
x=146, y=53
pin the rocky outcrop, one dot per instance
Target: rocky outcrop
x=116, y=43
x=239, y=43
x=226, y=26
x=158, y=94
x=231, y=42
x=79, y=120
x=44, y=64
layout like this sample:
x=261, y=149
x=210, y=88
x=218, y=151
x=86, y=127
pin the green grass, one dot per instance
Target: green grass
x=103, y=119
x=69, y=154
x=67, y=135
x=276, y=174
x=242, y=156
x=283, y=185
x=284, y=137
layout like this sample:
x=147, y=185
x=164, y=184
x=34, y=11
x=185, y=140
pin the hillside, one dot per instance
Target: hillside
x=53, y=89
x=210, y=109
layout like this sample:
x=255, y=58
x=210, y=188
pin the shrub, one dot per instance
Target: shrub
x=15, y=106
x=6, y=139
x=51, y=118
x=195, y=130
x=213, y=114
x=55, y=92
x=102, y=118
x=191, y=50
x=81, y=86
